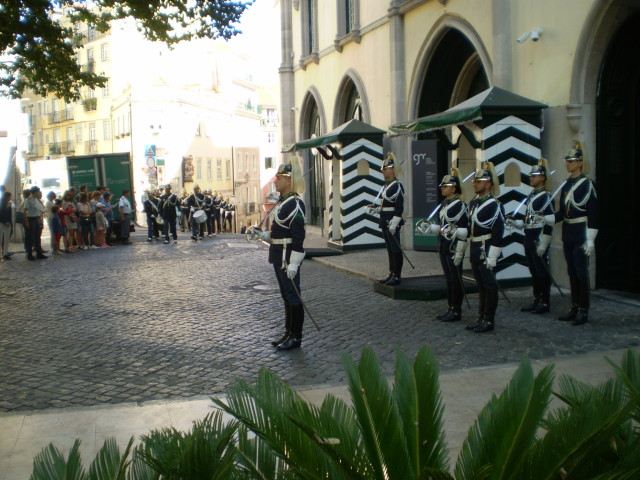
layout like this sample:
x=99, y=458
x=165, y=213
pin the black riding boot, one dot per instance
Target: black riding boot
x=482, y=301
x=287, y=325
x=536, y=297
x=441, y=316
x=581, y=317
x=455, y=312
x=490, y=312
x=575, y=301
x=297, y=321
x=385, y=280
x=397, y=269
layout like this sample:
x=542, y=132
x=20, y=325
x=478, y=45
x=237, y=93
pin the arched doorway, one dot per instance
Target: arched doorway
x=454, y=74
x=314, y=168
x=618, y=160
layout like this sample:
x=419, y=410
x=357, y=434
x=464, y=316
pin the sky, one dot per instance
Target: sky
x=260, y=41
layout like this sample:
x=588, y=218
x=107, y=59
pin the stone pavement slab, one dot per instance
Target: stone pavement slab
x=465, y=392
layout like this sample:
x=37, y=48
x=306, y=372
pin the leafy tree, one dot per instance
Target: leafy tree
x=38, y=50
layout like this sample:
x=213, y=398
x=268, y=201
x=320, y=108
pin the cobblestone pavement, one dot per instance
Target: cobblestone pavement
x=151, y=321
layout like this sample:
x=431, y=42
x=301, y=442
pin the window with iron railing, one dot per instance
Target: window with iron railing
x=91, y=146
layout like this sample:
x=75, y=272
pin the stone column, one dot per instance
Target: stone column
x=287, y=81
x=502, y=44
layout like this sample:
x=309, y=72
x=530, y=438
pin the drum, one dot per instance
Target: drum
x=159, y=220
x=200, y=216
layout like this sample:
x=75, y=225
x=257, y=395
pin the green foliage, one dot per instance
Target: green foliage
x=40, y=50
x=390, y=431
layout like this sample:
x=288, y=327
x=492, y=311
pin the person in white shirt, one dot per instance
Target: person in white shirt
x=125, y=213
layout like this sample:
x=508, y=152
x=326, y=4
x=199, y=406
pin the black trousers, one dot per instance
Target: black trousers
x=578, y=270
x=539, y=269
x=392, y=242
x=453, y=276
x=486, y=280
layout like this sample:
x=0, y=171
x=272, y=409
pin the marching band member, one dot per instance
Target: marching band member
x=223, y=213
x=578, y=211
x=453, y=242
x=217, y=200
x=208, y=207
x=486, y=219
x=169, y=205
x=195, y=202
x=286, y=251
x=151, y=208
x=537, y=222
x=391, y=210
x=229, y=209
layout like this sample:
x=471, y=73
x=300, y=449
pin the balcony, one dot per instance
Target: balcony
x=67, y=146
x=251, y=207
x=91, y=146
x=89, y=67
x=61, y=116
x=90, y=104
x=55, y=148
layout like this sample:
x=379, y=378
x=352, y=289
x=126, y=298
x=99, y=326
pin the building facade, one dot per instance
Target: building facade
x=387, y=62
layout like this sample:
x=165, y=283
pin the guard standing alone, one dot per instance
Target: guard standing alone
x=391, y=209
x=286, y=252
x=579, y=213
x=537, y=222
x=486, y=218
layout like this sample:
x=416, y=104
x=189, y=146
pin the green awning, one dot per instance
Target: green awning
x=312, y=142
x=453, y=116
x=347, y=131
x=490, y=100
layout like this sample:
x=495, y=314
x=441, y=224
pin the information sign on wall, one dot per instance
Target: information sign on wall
x=424, y=164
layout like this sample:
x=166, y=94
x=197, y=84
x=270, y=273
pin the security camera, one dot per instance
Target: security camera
x=535, y=34
x=523, y=38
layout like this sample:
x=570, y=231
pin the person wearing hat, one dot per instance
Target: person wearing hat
x=286, y=252
x=486, y=229
x=578, y=210
x=215, y=212
x=169, y=206
x=33, y=209
x=152, y=209
x=195, y=202
x=453, y=242
x=391, y=209
x=537, y=222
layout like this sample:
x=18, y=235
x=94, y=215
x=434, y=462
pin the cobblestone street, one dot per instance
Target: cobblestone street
x=151, y=321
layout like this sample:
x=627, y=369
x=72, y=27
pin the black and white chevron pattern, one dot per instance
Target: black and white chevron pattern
x=358, y=230
x=512, y=141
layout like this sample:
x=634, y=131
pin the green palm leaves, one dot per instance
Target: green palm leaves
x=390, y=431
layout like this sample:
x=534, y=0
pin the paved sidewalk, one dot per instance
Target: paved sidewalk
x=168, y=326
x=465, y=392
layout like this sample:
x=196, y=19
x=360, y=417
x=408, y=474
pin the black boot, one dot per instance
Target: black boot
x=385, y=280
x=542, y=307
x=287, y=325
x=570, y=315
x=476, y=324
x=486, y=325
x=297, y=321
x=454, y=315
x=581, y=317
x=531, y=306
x=440, y=316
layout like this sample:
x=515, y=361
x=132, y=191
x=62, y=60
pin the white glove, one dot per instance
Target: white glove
x=265, y=235
x=372, y=209
x=543, y=244
x=434, y=228
x=550, y=219
x=513, y=223
x=294, y=263
x=462, y=234
x=461, y=246
x=590, y=244
x=393, y=225
x=492, y=257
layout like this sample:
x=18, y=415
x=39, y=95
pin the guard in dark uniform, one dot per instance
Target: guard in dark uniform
x=486, y=229
x=537, y=221
x=151, y=209
x=208, y=208
x=217, y=200
x=286, y=251
x=169, y=204
x=391, y=209
x=453, y=230
x=195, y=202
x=578, y=210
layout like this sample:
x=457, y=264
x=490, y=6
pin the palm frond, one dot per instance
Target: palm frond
x=629, y=373
x=507, y=426
x=50, y=464
x=108, y=463
x=580, y=438
x=139, y=469
x=378, y=418
x=419, y=401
